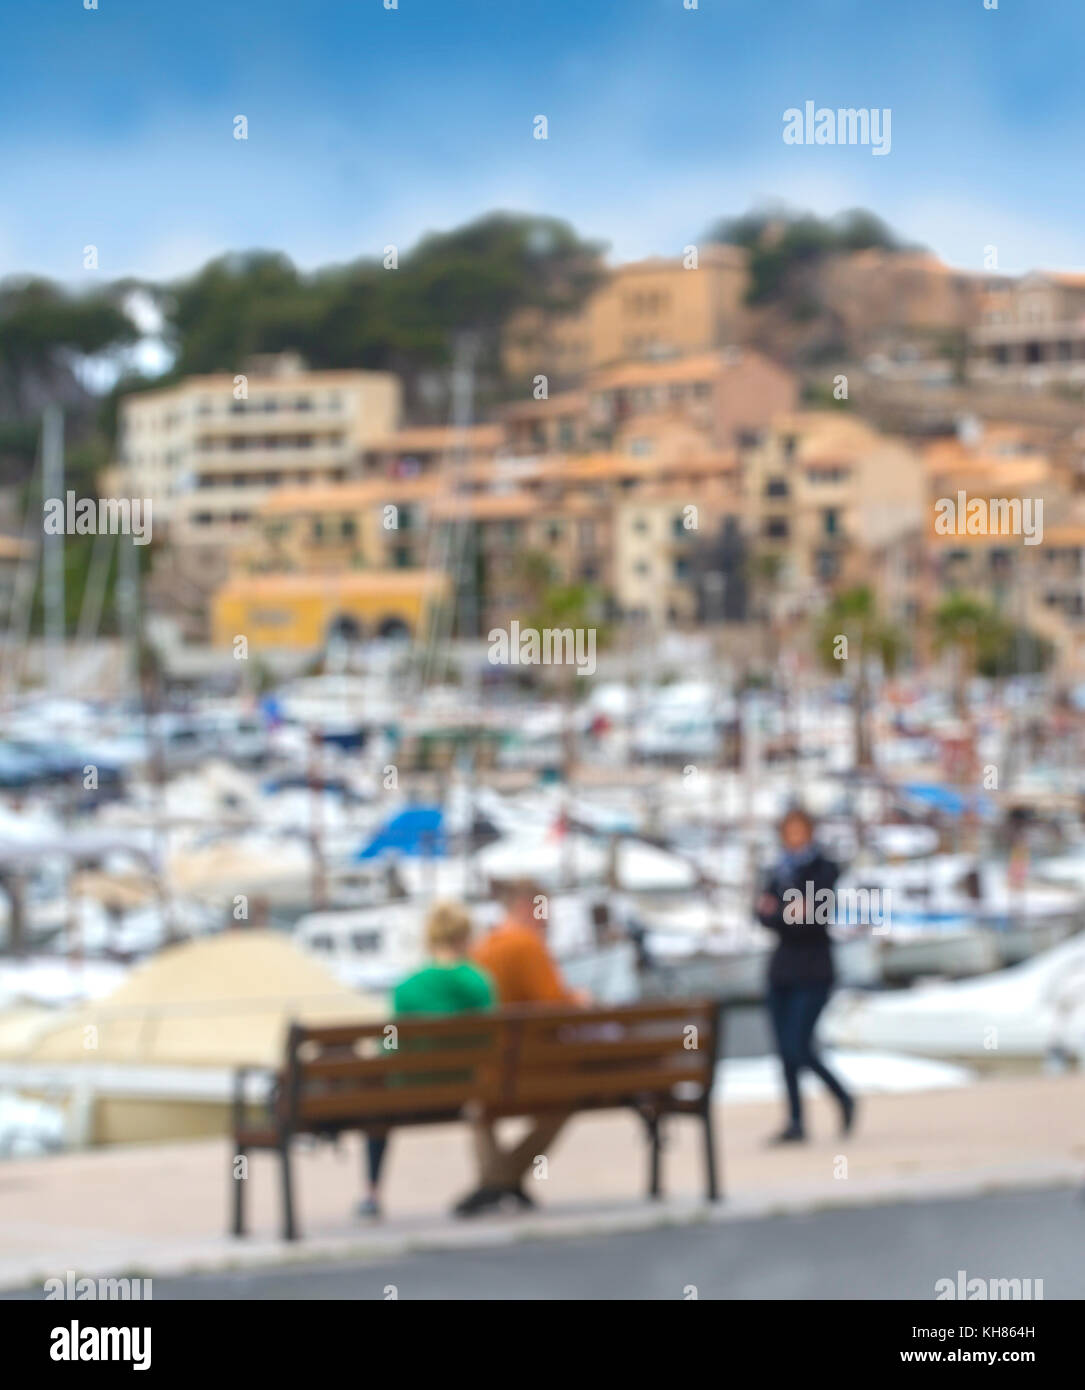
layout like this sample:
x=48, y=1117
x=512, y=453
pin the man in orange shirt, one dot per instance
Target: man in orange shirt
x=514, y=954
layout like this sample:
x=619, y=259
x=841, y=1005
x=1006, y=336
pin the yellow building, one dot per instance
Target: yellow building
x=649, y=308
x=349, y=560
x=305, y=611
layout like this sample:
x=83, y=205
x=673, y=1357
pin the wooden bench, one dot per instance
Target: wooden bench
x=657, y=1059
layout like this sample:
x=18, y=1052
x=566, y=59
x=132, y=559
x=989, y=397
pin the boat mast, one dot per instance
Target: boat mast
x=52, y=486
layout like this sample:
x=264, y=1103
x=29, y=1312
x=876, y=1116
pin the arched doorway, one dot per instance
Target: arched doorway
x=393, y=630
x=344, y=630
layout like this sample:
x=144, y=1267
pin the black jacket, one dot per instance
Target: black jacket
x=804, y=955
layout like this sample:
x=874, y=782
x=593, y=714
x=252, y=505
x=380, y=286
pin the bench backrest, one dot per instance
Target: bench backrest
x=513, y=1061
x=607, y=1056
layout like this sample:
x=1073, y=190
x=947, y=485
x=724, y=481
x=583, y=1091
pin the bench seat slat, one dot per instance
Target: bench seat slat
x=530, y=1089
x=400, y=1062
x=366, y=1103
x=560, y=1052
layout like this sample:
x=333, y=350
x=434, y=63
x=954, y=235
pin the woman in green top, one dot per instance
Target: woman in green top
x=448, y=984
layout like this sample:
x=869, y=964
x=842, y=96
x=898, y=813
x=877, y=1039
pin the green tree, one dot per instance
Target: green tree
x=780, y=241
x=980, y=641
x=872, y=644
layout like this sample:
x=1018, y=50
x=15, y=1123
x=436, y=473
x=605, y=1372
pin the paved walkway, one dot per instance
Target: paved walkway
x=163, y=1209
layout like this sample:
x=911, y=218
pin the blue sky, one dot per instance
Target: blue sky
x=368, y=126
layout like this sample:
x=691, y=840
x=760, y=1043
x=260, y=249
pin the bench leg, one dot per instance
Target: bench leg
x=711, y=1185
x=652, y=1121
x=239, y=1192
x=289, y=1230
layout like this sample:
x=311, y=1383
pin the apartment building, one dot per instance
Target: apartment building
x=1031, y=332
x=900, y=300
x=210, y=450
x=827, y=499
x=1040, y=585
x=704, y=402
x=431, y=449
x=652, y=308
x=677, y=561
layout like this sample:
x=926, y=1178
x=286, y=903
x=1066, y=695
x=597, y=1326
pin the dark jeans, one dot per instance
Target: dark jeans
x=376, y=1146
x=794, y=1011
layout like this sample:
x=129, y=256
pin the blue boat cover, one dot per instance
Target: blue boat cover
x=418, y=831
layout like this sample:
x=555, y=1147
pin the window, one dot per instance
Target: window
x=777, y=487
x=830, y=518
x=347, y=527
x=776, y=528
x=828, y=564
x=640, y=524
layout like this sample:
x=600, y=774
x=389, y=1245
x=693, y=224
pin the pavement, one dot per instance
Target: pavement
x=900, y=1251
x=162, y=1210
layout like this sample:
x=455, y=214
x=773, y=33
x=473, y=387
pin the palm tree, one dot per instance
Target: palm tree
x=853, y=614
x=970, y=631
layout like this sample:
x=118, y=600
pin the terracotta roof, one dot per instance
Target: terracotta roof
x=1071, y=534
x=438, y=439
x=564, y=403
x=15, y=547
x=487, y=506
x=347, y=496
x=704, y=366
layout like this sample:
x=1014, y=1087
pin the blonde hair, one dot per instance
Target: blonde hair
x=448, y=926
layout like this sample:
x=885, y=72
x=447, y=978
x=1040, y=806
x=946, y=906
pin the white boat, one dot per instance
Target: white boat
x=1026, y=1011
x=958, y=914
x=373, y=948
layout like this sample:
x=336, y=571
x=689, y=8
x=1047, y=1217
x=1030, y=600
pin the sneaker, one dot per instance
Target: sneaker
x=793, y=1134
x=848, y=1108
x=520, y=1197
x=369, y=1209
x=482, y=1199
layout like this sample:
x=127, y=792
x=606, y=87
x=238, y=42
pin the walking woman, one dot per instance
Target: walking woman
x=793, y=905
